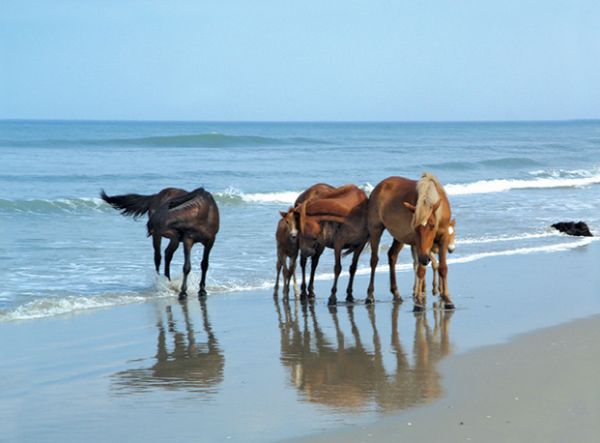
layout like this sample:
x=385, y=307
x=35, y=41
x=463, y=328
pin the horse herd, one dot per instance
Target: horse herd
x=345, y=219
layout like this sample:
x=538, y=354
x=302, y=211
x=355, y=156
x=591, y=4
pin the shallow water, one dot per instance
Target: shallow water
x=247, y=367
x=62, y=249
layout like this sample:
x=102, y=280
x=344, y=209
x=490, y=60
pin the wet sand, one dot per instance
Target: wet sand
x=246, y=367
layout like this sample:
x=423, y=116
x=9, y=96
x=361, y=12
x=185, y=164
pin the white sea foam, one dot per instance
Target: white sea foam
x=501, y=185
x=559, y=247
x=53, y=306
x=507, y=238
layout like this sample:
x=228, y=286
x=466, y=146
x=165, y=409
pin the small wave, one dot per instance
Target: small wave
x=61, y=205
x=505, y=162
x=565, y=173
x=208, y=140
x=501, y=185
x=51, y=306
x=481, y=240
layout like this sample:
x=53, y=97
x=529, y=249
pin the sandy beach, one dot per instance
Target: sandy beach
x=246, y=367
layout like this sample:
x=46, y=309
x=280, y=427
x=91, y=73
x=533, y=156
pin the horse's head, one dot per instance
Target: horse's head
x=425, y=232
x=451, y=233
x=291, y=222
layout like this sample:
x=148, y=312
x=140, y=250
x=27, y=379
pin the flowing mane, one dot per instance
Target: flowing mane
x=428, y=195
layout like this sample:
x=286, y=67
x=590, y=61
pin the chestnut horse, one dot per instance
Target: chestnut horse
x=435, y=249
x=415, y=213
x=137, y=205
x=315, y=191
x=286, y=238
x=191, y=218
x=336, y=220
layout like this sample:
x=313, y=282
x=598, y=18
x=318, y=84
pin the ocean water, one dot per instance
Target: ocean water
x=63, y=250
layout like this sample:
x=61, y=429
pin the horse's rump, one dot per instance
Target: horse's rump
x=185, y=201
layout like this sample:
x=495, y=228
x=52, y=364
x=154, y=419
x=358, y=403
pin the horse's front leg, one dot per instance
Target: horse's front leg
x=303, y=293
x=353, y=267
x=293, y=261
x=392, y=258
x=187, y=265
x=418, y=296
x=204, y=267
x=156, y=240
x=278, y=267
x=443, y=275
x=169, y=251
x=286, y=278
x=435, y=268
x=337, y=269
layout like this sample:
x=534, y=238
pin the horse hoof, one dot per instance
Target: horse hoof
x=182, y=295
x=449, y=306
x=349, y=299
x=418, y=308
x=369, y=301
x=202, y=293
x=331, y=301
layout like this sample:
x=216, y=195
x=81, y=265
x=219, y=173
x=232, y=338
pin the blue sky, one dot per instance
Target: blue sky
x=300, y=60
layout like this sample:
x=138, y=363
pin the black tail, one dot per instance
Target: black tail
x=135, y=205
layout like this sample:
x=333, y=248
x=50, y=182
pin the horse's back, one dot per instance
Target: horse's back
x=315, y=191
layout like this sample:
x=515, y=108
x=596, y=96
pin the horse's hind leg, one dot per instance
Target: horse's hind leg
x=187, y=266
x=375, y=238
x=337, y=269
x=169, y=251
x=353, y=266
x=156, y=239
x=204, y=266
x=314, y=262
x=392, y=257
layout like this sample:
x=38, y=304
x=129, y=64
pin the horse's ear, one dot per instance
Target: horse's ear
x=410, y=207
x=283, y=214
x=437, y=205
x=453, y=222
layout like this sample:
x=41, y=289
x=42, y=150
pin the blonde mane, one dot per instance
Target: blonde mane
x=428, y=195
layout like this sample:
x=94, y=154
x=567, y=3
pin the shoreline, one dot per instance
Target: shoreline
x=243, y=367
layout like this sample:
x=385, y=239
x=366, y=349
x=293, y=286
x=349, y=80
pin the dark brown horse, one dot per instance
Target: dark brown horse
x=336, y=220
x=191, y=218
x=137, y=205
x=286, y=238
x=415, y=213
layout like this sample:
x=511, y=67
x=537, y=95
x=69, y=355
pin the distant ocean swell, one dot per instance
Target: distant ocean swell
x=211, y=140
x=53, y=306
x=562, y=179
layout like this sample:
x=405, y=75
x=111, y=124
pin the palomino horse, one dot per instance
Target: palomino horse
x=415, y=213
x=286, y=238
x=137, y=205
x=337, y=220
x=191, y=218
x=436, y=283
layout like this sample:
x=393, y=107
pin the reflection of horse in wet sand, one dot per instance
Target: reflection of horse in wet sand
x=339, y=375
x=186, y=363
x=415, y=213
